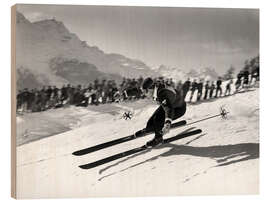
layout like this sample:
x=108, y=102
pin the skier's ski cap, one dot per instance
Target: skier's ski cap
x=147, y=83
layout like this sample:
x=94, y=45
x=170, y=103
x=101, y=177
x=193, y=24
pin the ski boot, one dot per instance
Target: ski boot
x=158, y=140
x=142, y=132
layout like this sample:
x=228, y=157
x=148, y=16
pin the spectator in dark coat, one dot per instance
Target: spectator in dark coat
x=200, y=88
x=186, y=87
x=206, y=87
x=246, y=77
x=228, y=88
x=238, y=82
x=193, y=89
x=219, y=89
x=212, y=88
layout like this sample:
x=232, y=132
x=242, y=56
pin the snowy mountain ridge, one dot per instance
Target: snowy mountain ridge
x=179, y=74
x=40, y=44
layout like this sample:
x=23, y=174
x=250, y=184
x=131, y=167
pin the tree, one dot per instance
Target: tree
x=229, y=74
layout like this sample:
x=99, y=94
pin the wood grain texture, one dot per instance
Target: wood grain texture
x=13, y=101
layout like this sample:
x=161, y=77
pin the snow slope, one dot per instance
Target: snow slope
x=223, y=159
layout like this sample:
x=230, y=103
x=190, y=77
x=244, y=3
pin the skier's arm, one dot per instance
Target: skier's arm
x=169, y=112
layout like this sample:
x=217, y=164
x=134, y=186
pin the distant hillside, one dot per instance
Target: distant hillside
x=48, y=53
x=178, y=74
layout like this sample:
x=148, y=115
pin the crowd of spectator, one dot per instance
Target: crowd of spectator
x=107, y=91
x=98, y=92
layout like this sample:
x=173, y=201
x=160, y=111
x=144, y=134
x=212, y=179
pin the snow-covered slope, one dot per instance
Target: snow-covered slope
x=223, y=159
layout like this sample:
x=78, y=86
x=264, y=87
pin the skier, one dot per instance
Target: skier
x=172, y=106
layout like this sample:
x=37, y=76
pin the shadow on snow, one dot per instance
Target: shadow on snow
x=220, y=153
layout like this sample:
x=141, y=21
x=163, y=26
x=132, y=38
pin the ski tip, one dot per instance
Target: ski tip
x=74, y=153
x=183, y=122
x=83, y=167
x=77, y=153
x=199, y=130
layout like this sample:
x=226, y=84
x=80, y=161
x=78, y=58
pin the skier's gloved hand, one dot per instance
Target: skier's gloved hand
x=167, y=126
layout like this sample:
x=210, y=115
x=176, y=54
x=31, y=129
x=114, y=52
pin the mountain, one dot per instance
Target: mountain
x=178, y=74
x=205, y=73
x=48, y=53
x=172, y=72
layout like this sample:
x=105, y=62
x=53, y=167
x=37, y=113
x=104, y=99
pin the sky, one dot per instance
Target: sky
x=186, y=38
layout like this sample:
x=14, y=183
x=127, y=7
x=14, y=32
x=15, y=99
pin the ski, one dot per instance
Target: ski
x=136, y=150
x=140, y=133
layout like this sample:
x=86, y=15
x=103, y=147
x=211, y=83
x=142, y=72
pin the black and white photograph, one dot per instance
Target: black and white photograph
x=135, y=101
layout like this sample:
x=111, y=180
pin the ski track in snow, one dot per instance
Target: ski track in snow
x=225, y=153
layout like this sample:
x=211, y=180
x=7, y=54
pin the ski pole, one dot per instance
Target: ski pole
x=223, y=113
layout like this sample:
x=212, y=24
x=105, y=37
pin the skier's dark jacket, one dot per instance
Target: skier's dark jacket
x=170, y=99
